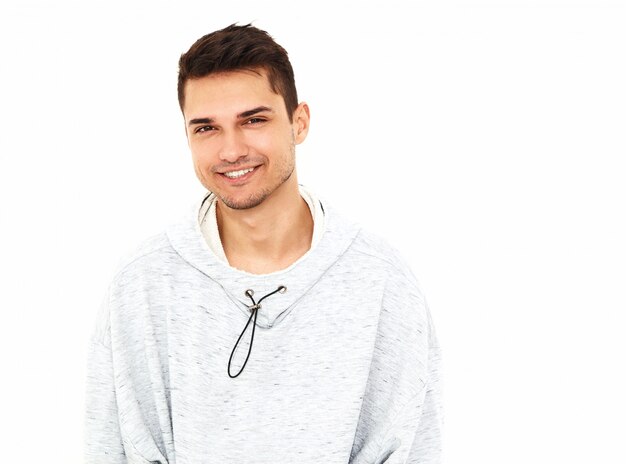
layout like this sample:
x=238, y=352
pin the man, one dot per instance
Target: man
x=264, y=327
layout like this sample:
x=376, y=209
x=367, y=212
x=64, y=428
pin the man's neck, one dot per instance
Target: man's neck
x=270, y=236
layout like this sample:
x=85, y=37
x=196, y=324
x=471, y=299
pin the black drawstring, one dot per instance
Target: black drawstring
x=254, y=307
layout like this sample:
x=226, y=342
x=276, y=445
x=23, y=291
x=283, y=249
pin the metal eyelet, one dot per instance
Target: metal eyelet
x=254, y=306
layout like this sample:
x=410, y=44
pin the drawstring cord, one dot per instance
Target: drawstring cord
x=254, y=307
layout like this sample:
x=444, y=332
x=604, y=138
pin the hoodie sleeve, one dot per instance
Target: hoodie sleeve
x=103, y=443
x=415, y=437
x=426, y=446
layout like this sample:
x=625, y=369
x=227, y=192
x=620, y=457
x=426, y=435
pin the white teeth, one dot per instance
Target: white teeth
x=234, y=174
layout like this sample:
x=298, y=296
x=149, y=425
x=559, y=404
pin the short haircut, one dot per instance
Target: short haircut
x=239, y=48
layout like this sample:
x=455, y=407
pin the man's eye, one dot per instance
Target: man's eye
x=255, y=120
x=204, y=129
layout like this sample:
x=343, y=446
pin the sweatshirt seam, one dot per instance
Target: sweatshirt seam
x=126, y=265
x=128, y=441
x=384, y=260
x=380, y=258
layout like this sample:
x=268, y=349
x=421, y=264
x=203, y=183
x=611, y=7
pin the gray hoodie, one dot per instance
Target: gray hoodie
x=341, y=365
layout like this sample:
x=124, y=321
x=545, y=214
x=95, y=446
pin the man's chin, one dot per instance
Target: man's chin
x=242, y=204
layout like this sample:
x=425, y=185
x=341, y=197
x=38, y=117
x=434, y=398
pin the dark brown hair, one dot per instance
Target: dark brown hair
x=235, y=48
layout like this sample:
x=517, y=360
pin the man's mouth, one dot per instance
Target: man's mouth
x=240, y=176
x=236, y=174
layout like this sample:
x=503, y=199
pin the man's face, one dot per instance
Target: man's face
x=240, y=135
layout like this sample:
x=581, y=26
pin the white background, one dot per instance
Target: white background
x=484, y=139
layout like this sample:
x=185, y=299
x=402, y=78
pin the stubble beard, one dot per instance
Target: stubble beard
x=257, y=198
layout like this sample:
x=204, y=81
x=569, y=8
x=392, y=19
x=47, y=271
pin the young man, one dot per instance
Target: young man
x=264, y=327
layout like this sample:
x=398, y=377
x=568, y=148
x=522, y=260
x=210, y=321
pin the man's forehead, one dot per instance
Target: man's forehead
x=228, y=95
x=232, y=91
x=254, y=78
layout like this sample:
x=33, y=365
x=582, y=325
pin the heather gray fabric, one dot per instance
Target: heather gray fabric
x=344, y=367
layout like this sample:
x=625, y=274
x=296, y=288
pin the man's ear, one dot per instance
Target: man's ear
x=301, y=121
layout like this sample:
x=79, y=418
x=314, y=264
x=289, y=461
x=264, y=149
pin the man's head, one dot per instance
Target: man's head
x=242, y=117
x=236, y=48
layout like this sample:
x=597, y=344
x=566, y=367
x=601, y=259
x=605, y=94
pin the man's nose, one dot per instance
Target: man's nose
x=233, y=146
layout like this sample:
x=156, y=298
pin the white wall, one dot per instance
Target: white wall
x=484, y=139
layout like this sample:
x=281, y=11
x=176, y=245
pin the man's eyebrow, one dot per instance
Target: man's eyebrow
x=245, y=114
x=253, y=111
x=200, y=121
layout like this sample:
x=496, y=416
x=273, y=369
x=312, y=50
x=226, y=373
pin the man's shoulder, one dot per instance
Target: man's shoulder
x=404, y=295
x=374, y=251
x=371, y=243
x=143, y=252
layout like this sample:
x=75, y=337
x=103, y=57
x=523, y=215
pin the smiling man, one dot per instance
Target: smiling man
x=242, y=139
x=264, y=326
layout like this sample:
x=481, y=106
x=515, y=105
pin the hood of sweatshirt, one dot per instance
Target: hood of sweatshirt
x=299, y=279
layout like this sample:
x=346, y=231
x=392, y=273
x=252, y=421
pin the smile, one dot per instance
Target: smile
x=239, y=177
x=236, y=174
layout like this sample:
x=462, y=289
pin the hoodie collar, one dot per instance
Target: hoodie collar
x=187, y=240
